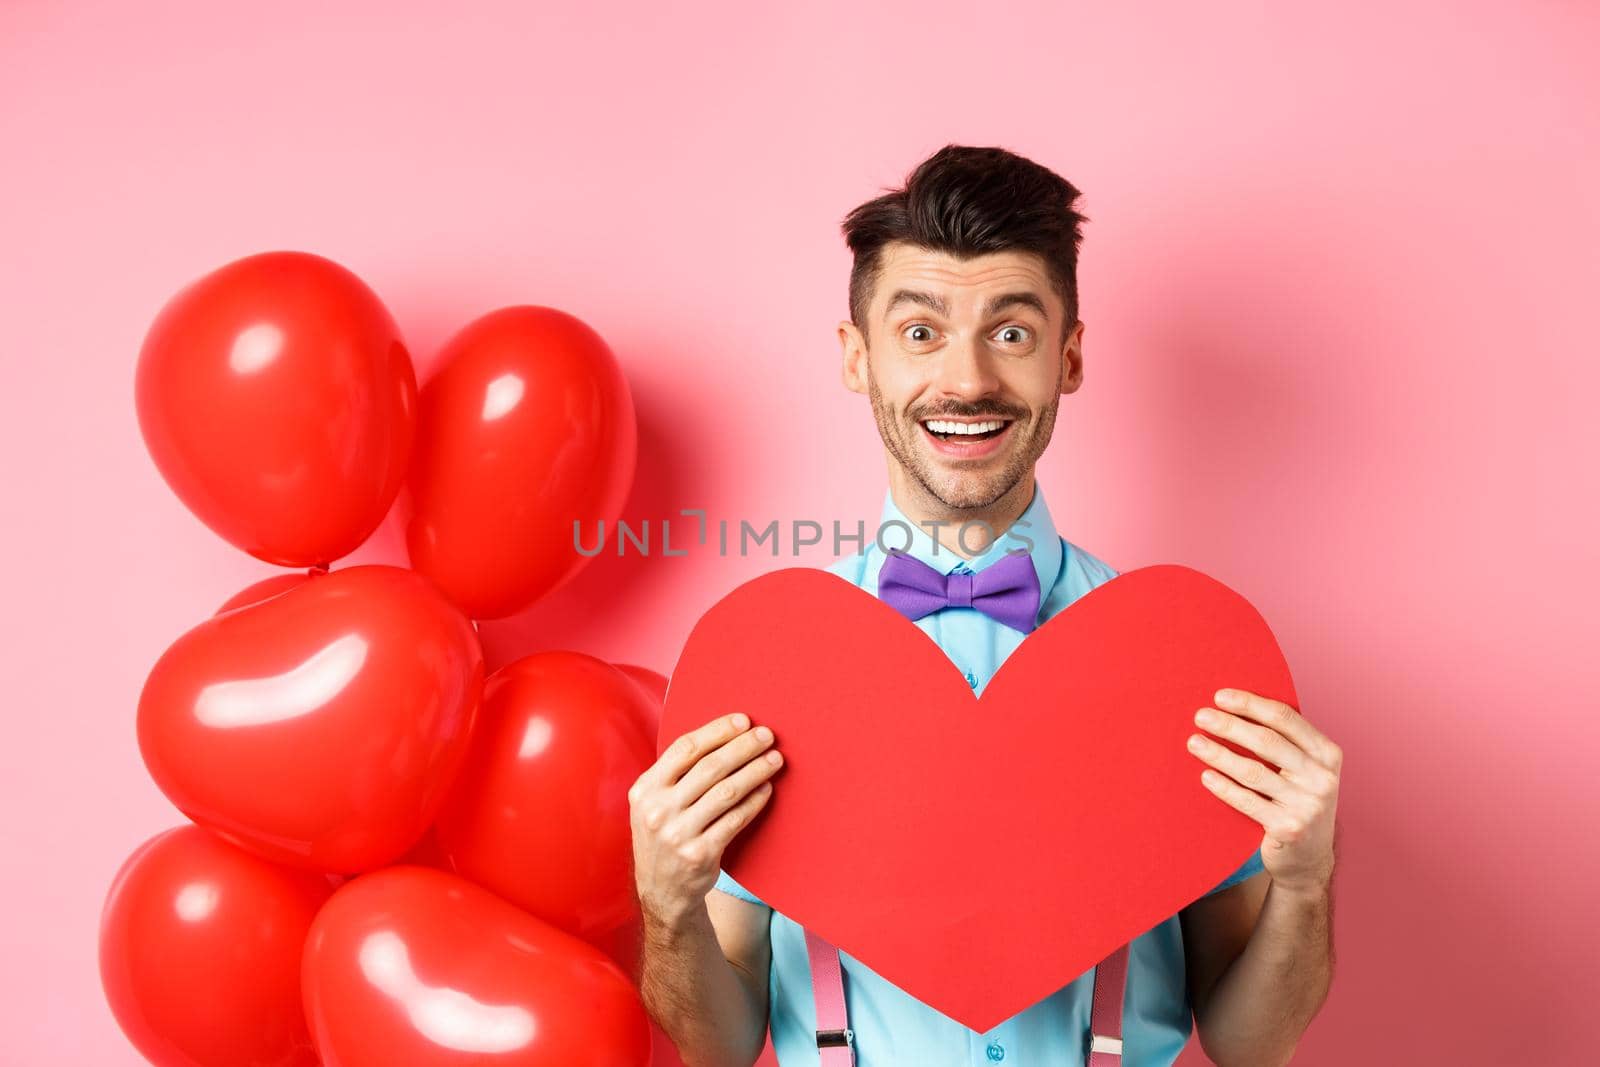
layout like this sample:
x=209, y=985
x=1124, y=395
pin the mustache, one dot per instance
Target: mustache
x=968, y=411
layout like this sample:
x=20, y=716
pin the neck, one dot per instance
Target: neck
x=944, y=523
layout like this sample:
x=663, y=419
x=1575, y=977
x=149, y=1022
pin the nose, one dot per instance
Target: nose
x=966, y=371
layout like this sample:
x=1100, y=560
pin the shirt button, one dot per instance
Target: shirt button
x=996, y=1051
x=972, y=680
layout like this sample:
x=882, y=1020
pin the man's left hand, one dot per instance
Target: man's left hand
x=1295, y=805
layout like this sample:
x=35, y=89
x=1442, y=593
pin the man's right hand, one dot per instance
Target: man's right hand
x=707, y=786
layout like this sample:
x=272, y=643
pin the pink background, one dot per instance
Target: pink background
x=1339, y=284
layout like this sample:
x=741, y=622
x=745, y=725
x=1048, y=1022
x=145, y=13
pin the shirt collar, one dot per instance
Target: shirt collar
x=1033, y=525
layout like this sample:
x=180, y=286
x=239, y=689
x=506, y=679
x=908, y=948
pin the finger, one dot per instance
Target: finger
x=736, y=818
x=1268, y=744
x=1285, y=720
x=716, y=765
x=1251, y=803
x=1275, y=819
x=728, y=792
x=1252, y=774
x=682, y=753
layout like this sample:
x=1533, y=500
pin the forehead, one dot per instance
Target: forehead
x=961, y=280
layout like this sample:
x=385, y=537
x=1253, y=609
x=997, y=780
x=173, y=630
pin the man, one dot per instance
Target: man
x=964, y=334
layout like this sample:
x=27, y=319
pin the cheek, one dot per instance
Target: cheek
x=901, y=389
x=1037, y=391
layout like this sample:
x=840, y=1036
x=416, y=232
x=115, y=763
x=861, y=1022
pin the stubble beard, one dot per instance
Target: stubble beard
x=962, y=492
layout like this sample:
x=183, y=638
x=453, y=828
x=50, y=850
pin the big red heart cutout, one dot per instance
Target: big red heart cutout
x=981, y=853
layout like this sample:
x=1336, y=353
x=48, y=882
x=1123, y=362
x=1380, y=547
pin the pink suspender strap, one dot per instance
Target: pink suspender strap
x=836, y=1041
x=1105, y=1011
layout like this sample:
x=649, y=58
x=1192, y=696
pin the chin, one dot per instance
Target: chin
x=969, y=491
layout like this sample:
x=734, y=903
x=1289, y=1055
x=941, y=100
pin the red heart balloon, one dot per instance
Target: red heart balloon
x=427, y=852
x=200, y=946
x=899, y=784
x=540, y=813
x=320, y=727
x=654, y=684
x=262, y=590
x=414, y=966
x=526, y=428
x=278, y=402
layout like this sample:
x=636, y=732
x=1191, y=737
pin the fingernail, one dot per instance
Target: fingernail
x=1205, y=717
x=740, y=720
x=763, y=733
x=774, y=758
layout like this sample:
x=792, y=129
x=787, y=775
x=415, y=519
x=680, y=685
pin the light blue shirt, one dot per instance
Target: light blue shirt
x=892, y=1028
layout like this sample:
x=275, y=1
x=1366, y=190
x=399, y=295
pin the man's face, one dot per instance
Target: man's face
x=965, y=364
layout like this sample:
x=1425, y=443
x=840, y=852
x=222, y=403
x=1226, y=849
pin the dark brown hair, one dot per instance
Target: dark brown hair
x=969, y=201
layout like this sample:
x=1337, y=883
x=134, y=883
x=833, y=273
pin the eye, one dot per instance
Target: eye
x=1014, y=330
x=927, y=332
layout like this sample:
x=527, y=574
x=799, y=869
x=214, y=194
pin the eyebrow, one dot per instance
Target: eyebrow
x=937, y=303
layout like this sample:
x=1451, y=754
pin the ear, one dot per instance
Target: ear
x=1072, y=359
x=853, y=371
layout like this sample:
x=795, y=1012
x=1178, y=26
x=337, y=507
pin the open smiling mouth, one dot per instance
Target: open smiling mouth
x=966, y=437
x=948, y=430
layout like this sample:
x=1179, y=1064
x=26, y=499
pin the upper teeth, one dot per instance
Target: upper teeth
x=940, y=426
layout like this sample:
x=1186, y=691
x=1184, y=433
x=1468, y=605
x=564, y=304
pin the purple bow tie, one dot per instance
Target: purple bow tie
x=1006, y=590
